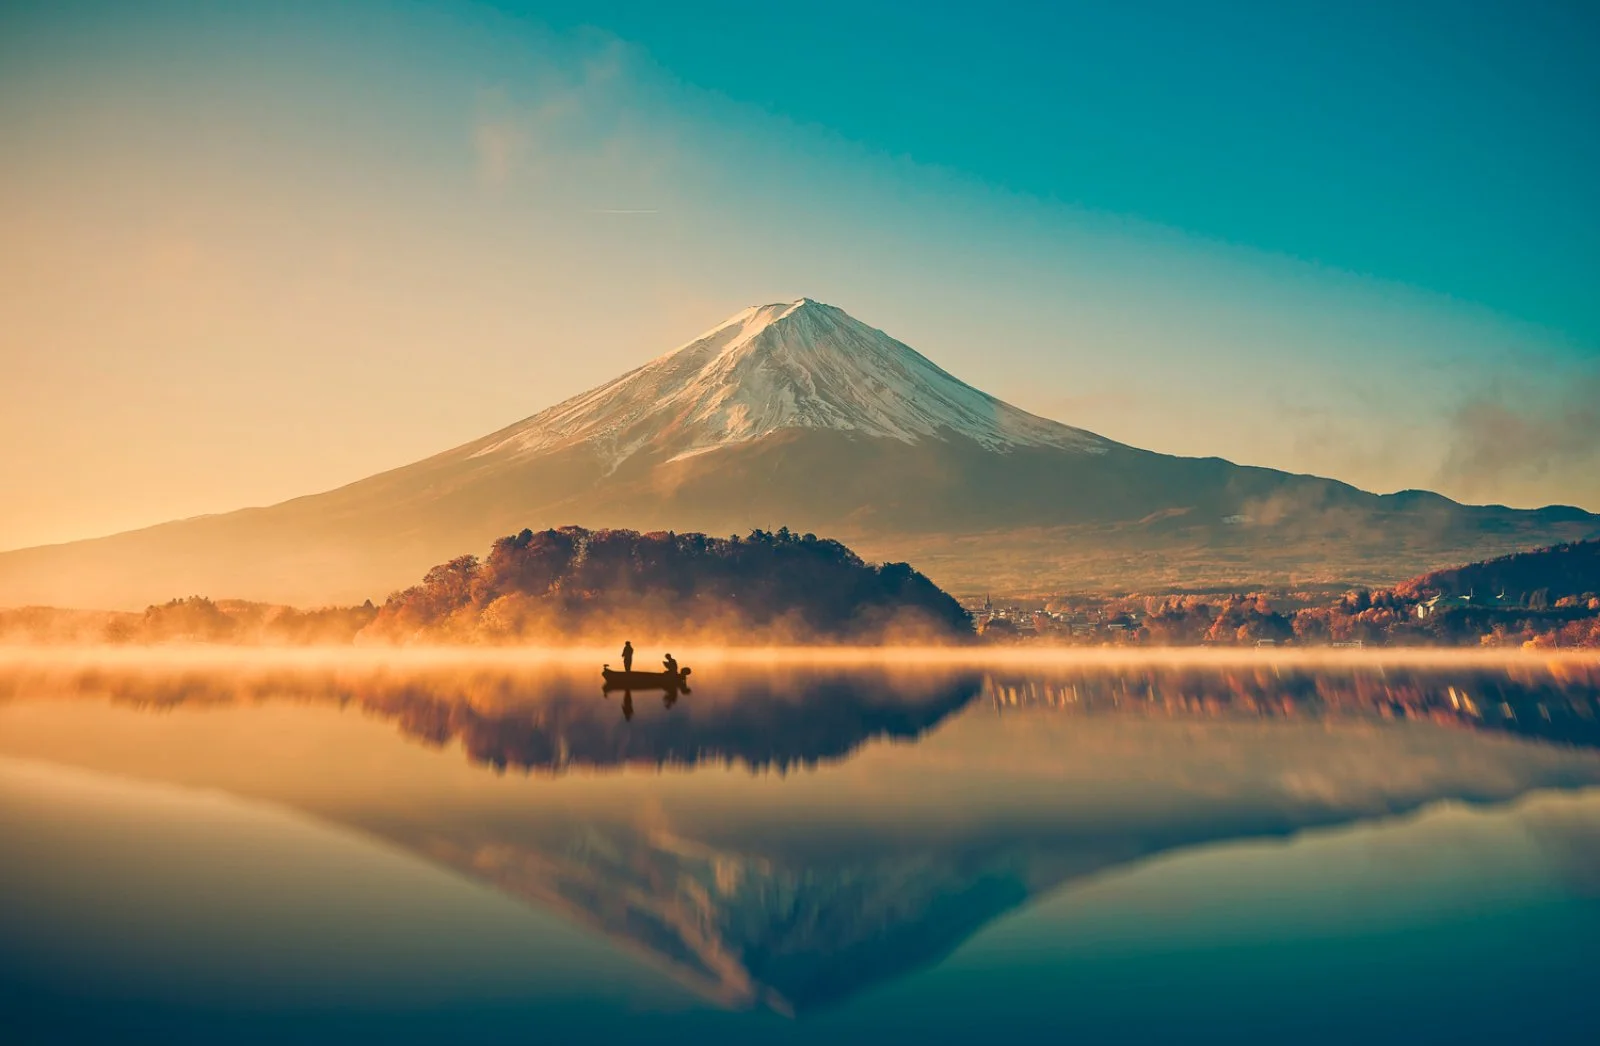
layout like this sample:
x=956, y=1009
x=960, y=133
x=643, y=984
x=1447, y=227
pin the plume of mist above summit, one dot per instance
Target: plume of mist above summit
x=791, y=365
x=1506, y=438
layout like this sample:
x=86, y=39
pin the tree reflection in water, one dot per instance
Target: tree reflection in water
x=554, y=718
x=1557, y=702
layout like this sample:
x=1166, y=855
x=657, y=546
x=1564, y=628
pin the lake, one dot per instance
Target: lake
x=246, y=846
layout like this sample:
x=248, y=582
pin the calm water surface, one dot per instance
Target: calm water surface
x=277, y=853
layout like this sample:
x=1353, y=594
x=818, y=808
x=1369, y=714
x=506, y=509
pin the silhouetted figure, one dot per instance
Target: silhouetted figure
x=669, y=698
x=671, y=664
x=627, y=705
x=627, y=655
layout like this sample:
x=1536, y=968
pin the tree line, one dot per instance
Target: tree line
x=1543, y=599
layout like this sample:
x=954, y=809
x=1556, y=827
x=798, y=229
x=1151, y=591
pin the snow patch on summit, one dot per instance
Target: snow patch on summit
x=768, y=368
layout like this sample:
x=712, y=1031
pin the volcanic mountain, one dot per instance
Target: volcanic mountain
x=799, y=415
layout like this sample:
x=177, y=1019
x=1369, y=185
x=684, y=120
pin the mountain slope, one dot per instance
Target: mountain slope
x=799, y=415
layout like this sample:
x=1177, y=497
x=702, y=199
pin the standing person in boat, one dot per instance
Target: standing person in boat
x=627, y=655
x=671, y=664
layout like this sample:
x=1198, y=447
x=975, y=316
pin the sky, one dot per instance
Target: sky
x=255, y=251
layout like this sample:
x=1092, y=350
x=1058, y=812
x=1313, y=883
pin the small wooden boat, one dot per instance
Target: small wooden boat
x=678, y=680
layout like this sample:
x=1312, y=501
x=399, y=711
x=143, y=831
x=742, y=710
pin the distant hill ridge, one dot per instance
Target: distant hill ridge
x=1545, y=574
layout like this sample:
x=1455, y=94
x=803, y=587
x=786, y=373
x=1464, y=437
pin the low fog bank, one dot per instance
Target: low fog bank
x=420, y=657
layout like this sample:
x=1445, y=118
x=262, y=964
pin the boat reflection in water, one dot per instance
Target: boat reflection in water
x=672, y=683
x=936, y=802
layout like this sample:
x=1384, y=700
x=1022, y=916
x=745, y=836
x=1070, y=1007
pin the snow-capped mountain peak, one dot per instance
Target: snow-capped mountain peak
x=767, y=368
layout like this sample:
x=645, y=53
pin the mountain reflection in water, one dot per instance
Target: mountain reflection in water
x=797, y=892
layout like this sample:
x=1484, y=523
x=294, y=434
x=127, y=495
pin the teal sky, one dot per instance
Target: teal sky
x=1449, y=146
x=260, y=250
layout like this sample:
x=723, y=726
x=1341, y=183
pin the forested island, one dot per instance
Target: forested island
x=574, y=584
x=570, y=585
